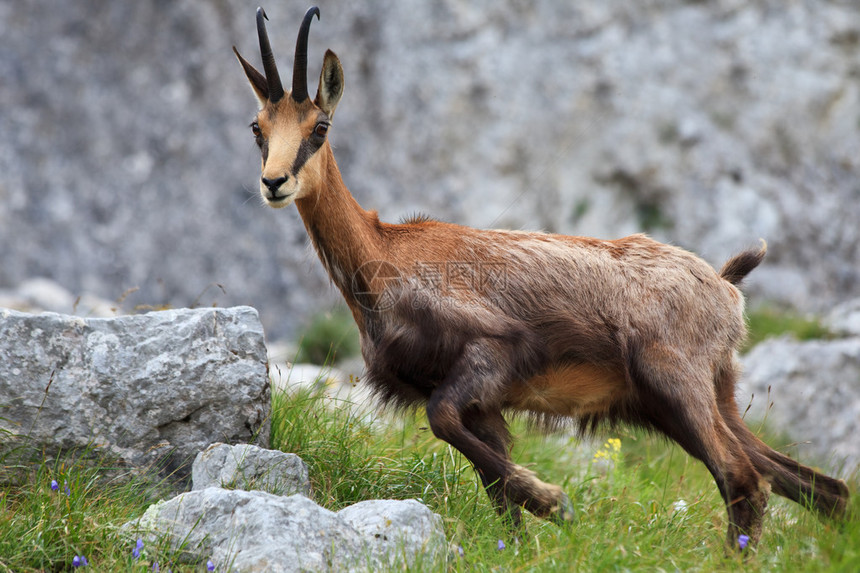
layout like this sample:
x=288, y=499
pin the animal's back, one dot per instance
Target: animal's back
x=589, y=285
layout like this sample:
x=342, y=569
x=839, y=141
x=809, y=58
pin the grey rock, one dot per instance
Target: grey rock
x=47, y=295
x=257, y=531
x=844, y=319
x=400, y=532
x=254, y=531
x=148, y=390
x=811, y=391
x=709, y=124
x=248, y=467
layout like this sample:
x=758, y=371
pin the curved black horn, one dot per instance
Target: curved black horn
x=300, y=64
x=276, y=90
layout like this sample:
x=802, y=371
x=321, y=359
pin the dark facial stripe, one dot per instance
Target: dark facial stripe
x=306, y=149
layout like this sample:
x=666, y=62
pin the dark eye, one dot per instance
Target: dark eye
x=321, y=130
x=258, y=134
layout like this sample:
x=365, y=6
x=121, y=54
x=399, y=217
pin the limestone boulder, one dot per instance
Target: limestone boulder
x=149, y=391
x=809, y=390
x=255, y=531
x=248, y=467
x=844, y=319
x=399, y=531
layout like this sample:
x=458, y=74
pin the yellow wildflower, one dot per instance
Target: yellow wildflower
x=611, y=450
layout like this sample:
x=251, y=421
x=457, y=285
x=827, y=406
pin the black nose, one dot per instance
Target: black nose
x=274, y=184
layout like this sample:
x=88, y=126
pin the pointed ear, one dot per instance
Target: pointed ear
x=257, y=80
x=331, y=84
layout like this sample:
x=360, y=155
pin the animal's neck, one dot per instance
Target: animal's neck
x=344, y=235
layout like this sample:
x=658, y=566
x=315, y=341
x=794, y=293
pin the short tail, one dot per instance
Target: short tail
x=739, y=266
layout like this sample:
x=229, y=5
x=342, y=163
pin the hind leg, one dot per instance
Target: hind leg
x=681, y=404
x=701, y=431
x=788, y=478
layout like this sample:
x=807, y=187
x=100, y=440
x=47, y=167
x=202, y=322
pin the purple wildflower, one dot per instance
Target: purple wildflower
x=501, y=545
x=210, y=566
x=138, y=546
x=54, y=485
x=79, y=561
x=66, y=489
x=460, y=550
x=743, y=541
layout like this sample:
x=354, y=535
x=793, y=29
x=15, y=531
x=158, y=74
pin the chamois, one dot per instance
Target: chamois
x=475, y=323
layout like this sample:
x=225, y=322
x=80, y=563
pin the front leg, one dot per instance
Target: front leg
x=475, y=385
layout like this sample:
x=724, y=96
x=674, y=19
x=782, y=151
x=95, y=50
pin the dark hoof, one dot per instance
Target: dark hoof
x=565, y=513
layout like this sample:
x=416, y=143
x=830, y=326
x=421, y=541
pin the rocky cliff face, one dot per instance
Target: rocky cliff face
x=125, y=160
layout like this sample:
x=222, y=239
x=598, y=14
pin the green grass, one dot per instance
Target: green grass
x=43, y=528
x=626, y=499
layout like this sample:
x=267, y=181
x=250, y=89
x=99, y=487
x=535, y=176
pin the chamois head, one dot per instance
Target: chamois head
x=290, y=128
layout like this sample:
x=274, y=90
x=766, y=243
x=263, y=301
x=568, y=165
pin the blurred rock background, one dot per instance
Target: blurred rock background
x=126, y=161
